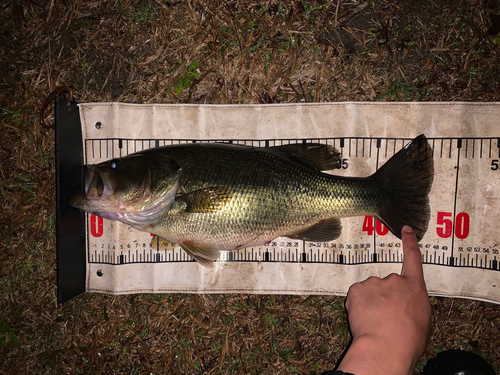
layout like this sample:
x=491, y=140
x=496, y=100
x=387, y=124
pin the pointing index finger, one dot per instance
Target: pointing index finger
x=412, y=263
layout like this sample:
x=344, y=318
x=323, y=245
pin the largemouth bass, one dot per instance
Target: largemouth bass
x=209, y=197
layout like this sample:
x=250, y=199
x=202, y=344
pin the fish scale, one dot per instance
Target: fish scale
x=258, y=214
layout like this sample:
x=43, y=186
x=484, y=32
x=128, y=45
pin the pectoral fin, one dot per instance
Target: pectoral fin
x=206, y=200
x=323, y=231
x=205, y=254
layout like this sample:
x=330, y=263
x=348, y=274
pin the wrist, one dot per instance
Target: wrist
x=372, y=356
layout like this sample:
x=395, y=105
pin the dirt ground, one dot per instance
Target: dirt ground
x=211, y=52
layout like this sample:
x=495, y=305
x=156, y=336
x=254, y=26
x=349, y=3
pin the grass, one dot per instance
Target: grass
x=210, y=52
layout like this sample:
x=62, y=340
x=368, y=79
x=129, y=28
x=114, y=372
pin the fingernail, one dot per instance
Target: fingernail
x=407, y=229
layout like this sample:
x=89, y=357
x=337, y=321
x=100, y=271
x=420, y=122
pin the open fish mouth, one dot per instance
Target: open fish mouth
x=99, y=189
x=97, y=185
x=135, y=206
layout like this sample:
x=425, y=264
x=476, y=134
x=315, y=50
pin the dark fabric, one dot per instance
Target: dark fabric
x=336, y=373
x=452, y=362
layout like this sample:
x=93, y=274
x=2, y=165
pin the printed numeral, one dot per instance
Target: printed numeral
x=96, y=225
x=369, y=228
x=462, y=225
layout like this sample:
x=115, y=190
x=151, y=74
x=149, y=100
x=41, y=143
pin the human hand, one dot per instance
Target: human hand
x=389, y=318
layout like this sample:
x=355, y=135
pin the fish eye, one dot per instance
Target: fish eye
x=112, y=164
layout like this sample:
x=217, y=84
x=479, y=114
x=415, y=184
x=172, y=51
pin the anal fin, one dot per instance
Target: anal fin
x=323, y=231
x=205, y=254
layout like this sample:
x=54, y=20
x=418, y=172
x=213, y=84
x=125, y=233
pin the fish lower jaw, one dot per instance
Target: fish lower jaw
x=136, y=215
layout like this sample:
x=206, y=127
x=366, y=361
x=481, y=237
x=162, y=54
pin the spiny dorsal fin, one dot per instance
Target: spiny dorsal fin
x=323, y=231
x=206, y=200
x=205, y=254
x=316, y=155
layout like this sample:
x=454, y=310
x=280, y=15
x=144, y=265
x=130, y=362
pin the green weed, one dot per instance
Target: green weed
x=187, y=79
x=7, y=336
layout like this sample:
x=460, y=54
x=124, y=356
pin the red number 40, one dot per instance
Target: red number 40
x=369, y=228
x=462, y=225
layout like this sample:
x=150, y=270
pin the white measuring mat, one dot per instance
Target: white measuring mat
x=460, y=250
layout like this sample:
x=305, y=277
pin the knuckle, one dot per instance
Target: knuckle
x=392, y=276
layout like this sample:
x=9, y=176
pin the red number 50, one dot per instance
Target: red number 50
x=462, y=225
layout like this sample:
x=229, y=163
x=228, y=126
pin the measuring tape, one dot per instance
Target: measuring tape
x=462, y=229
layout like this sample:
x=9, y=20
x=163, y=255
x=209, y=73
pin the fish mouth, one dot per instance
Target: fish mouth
x=145, y=209
x=97, y=185
x=98, y=191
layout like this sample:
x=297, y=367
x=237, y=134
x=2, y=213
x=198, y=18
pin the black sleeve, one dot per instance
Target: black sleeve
x=336, y=373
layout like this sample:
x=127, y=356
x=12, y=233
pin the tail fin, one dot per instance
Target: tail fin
x=405, y=181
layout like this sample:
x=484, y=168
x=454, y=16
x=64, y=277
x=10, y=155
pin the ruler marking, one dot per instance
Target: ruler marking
x=373, y=219
x=459, y=145
x=471, y=150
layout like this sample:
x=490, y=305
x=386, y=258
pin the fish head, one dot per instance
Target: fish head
x=136, y=189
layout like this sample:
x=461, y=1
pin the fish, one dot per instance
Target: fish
x=209, y=197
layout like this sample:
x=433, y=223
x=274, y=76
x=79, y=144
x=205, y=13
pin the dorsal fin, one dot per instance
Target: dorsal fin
x=312, y=155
